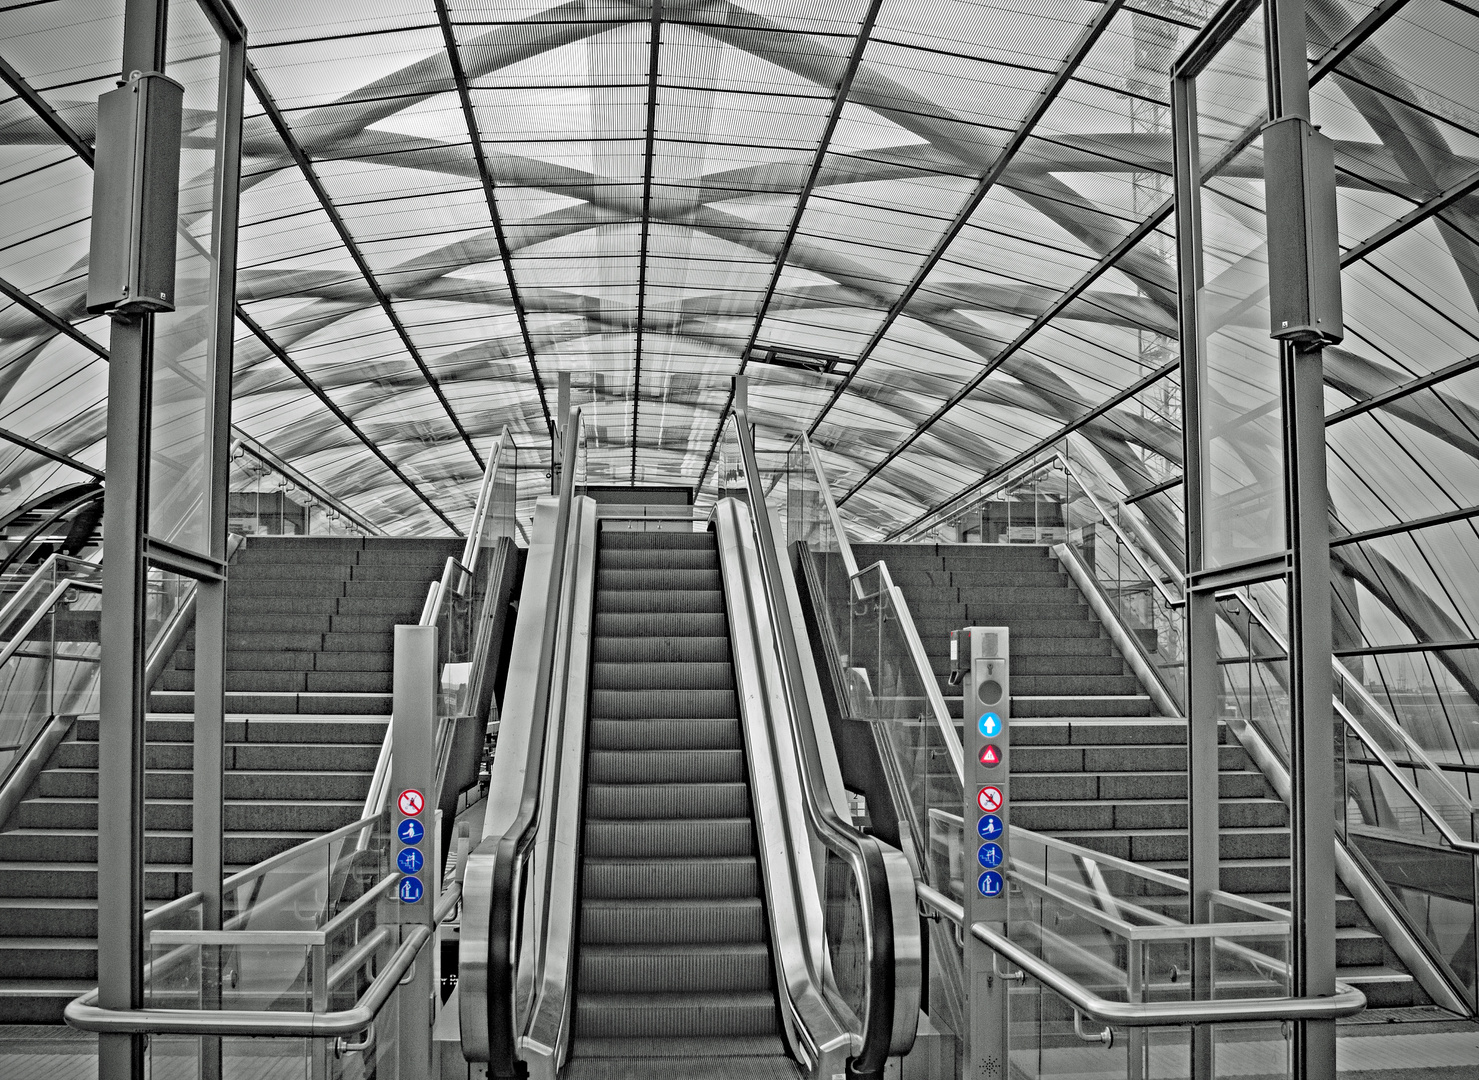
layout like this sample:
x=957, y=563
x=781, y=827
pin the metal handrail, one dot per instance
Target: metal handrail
x=1347, y=1000
x=84, y=1013
x=917, y=654
x=454, y=572
x=1418, y=754
x=884, y=1032
x=505, y=853
x=1394, y=729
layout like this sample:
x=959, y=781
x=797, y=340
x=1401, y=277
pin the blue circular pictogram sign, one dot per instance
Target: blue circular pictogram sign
x=989, y=827
x=411, y=831
x=989, y=856
x=409, y=890
x=410, y=860
x=990, y=883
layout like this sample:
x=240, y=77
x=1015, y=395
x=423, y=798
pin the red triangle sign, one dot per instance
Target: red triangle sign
x=990, y=756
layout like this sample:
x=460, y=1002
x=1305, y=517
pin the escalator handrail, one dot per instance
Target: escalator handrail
x=455, y=574
x=894, y=964
x=487, y=1003
x=22, y=545
x=917, y=654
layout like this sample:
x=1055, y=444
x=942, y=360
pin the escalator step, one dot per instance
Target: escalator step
x=685, y=968
x=731, y=1046
x=662, y=541
x=666, y=766
x=656, y=921
x=672, y=733
x=663, y=704
x=670, y=1014
x=675, y=558
x=662, y=676
x=670, y=879
x=661, y=650
x=688, y=801
x=665, y=839
x=617, y=624
x=660, y=575
x=665, y=601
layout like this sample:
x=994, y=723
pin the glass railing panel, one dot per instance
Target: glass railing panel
x=49, y=634
x=846, y=935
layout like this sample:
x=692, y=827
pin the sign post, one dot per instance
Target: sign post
x=979, y=662
x=413, y=812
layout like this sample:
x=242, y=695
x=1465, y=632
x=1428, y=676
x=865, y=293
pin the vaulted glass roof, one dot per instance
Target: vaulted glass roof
x=933, y=234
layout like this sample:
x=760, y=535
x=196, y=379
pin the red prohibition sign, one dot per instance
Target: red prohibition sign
x=411, y=802
x=989, y=799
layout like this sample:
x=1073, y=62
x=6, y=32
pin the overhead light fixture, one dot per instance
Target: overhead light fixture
x=804, y=359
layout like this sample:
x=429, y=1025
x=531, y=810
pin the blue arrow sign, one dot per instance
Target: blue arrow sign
x=409, y=890
x=411, y=831
x=990, y=725
x=410, y=860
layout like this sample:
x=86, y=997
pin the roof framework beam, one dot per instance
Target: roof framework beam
x=824, y=145
x=485, y=176
x=305, y=166
x=653, y=51
x=1046, y=97
x=70, y=137
x=344, y=418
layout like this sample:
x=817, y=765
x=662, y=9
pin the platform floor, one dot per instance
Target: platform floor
x=1381, y=1045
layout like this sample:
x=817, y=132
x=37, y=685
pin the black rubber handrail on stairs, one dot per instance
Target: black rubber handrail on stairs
x=882, y=874
x=486, y=966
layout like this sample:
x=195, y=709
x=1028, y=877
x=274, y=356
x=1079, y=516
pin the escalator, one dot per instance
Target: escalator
x=667, y=882
x=674, y=958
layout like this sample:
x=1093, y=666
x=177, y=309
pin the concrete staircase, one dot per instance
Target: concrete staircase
x=308, y=696
x=1092, y=763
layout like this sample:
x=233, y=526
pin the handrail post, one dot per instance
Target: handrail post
x=415, y=844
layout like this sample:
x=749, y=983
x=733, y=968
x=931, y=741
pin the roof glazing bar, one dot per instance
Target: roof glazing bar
x=344, y=418
x=459, y=76
x=824, y=144
x=305, y=166
x=654, y=47
x=1046, y=97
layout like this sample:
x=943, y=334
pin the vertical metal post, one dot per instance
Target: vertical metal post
x=413, y=782
x=1135, y=1051
x=562, y=416
x=121, y=678
x=121, y=695
x=206, y=869
x=318, y=969
x=1203, y=680
x=1312, y=721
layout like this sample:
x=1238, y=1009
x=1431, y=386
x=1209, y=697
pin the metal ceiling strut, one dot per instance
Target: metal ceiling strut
x=654, y=46
x=485, y=175
x=305, y=166
x=824, y=145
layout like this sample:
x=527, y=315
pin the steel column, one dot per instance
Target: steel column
x=1313, y=748
x=121, y=676
x=1203, y=689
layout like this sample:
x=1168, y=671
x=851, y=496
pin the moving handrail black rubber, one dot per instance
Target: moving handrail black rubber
x=511, y=848
x=892, y=1006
